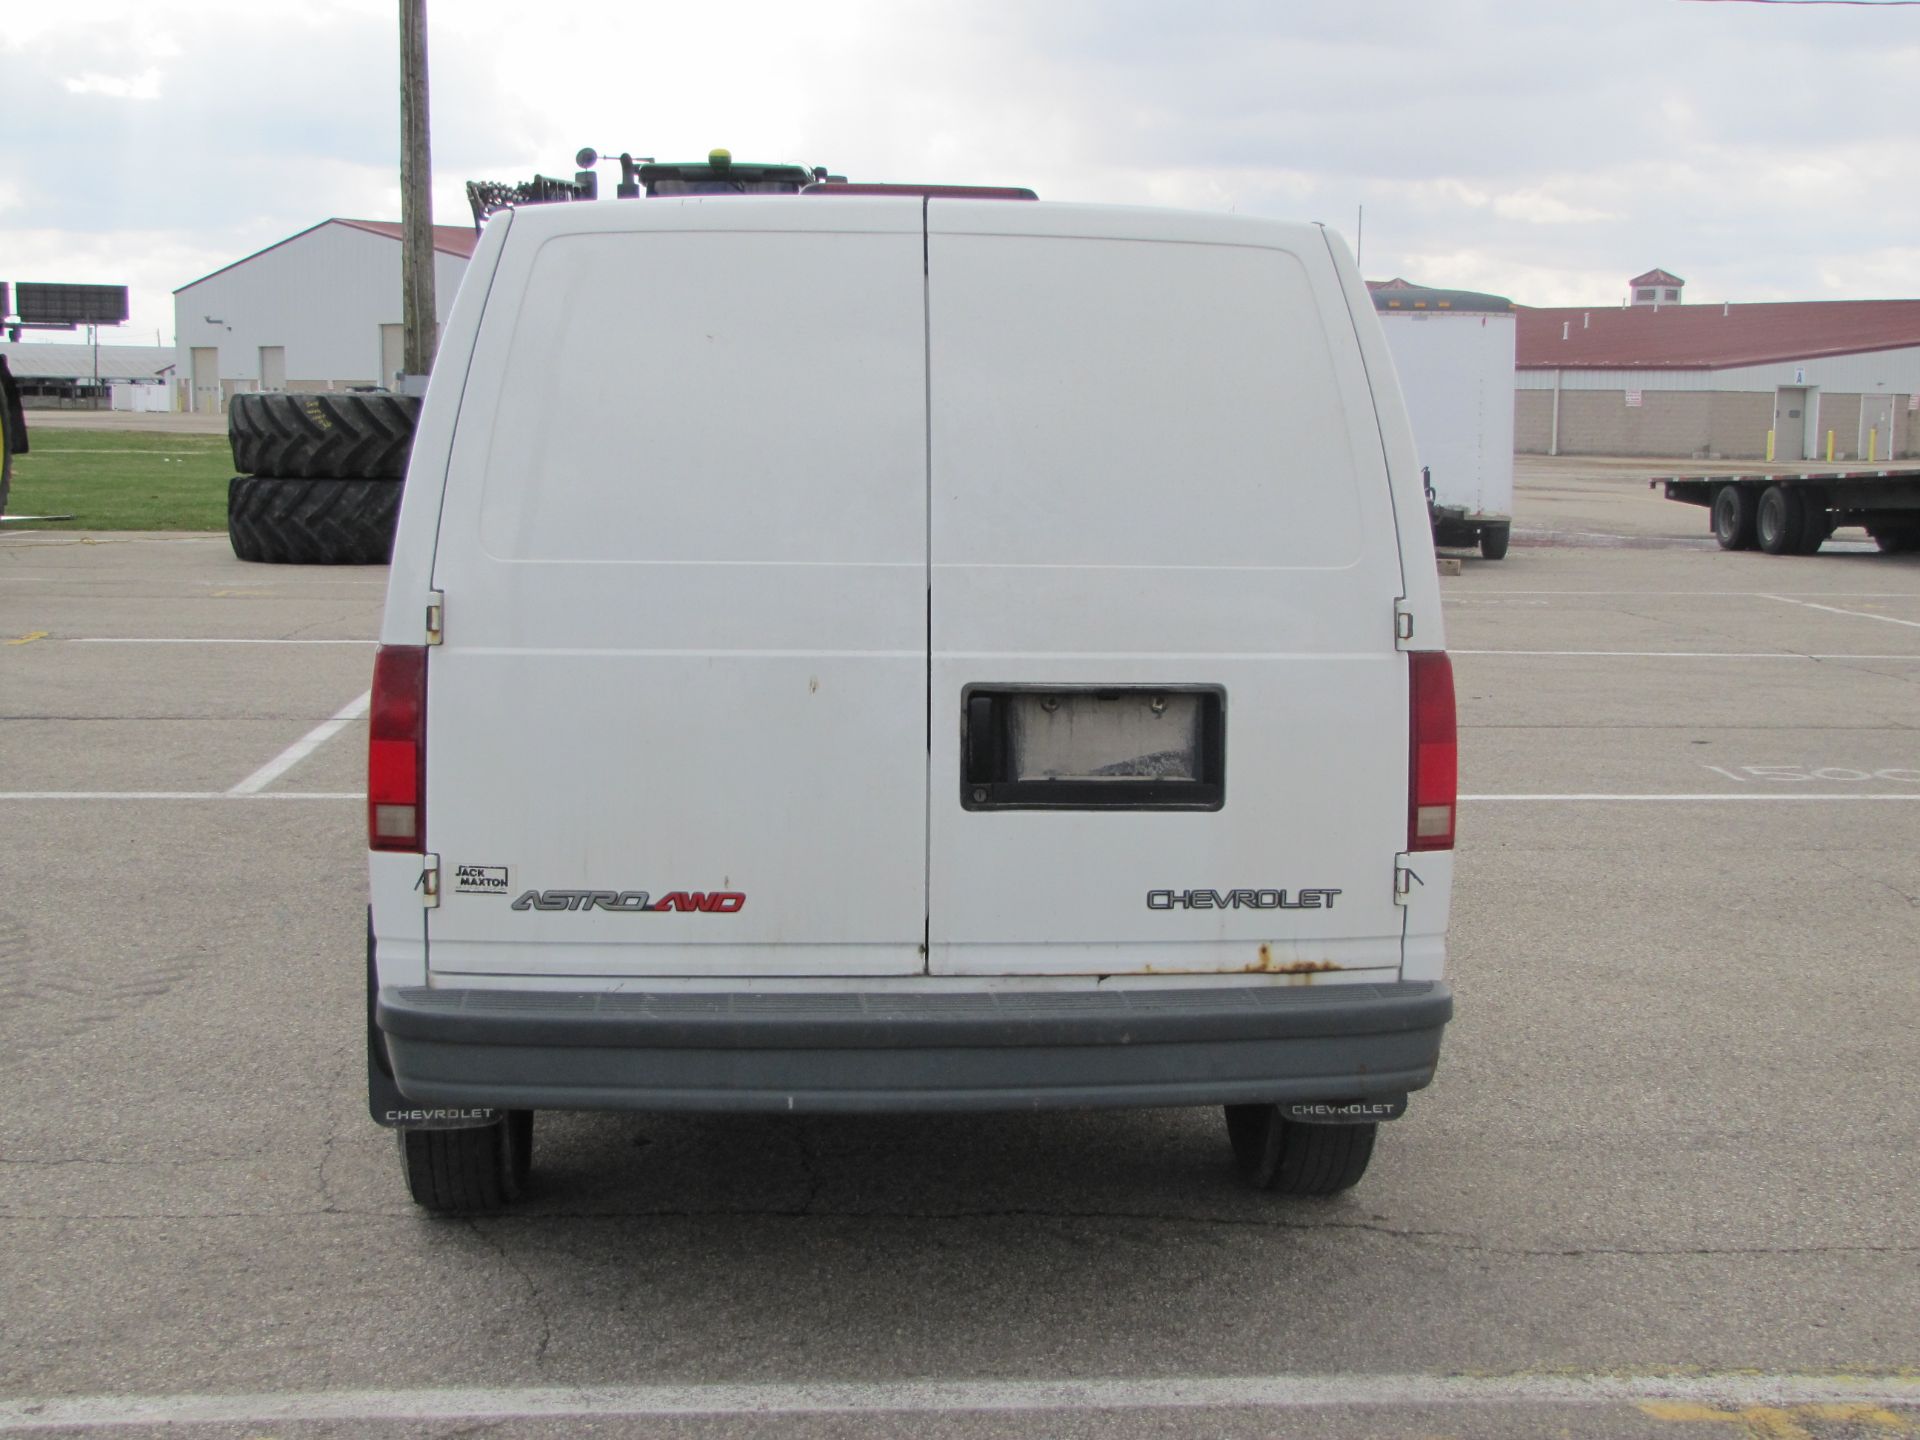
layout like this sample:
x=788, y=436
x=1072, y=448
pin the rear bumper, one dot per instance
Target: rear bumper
x=892, y=1052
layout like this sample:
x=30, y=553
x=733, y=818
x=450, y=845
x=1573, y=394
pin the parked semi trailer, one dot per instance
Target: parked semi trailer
x=1794, y=514
x=1453, y=350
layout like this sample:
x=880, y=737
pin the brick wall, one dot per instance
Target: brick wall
x=1737, y=424
x=1532, y=421
x=1841, y=415
x=1665, y=422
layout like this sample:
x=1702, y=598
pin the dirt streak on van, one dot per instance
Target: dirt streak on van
x=948, y=575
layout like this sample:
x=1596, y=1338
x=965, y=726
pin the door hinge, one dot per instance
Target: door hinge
x=429, y=886
x=1402, y=624
x=1404, y=879
x=436, y=616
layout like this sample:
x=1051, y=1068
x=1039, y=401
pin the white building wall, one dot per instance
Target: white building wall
x=322, y=295
x=1894, y=372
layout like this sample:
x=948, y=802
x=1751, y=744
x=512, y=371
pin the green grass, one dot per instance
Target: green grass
x=121, y=480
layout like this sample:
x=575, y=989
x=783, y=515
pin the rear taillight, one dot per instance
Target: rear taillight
x=1433, y=778
x=397, y=750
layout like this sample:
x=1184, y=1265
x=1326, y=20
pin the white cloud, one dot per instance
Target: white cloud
x=144, y=86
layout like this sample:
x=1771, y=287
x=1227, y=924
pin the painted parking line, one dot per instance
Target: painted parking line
x=1747, y=796
x=1838, y=610
x=1746, y=1391
x=197, y=640
x=304, y=746
x=1680, y=655
x=1453, y=593
x=94, y=795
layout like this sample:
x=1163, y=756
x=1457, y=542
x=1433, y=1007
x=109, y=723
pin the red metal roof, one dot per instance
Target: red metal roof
x=447, y=239
x=1708, y=337
x=1656, y=277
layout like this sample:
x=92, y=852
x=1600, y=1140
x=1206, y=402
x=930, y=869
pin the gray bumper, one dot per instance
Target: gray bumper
x=897, y=1052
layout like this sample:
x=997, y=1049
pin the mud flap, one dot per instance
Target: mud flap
x=1345, y=1112
x=385, y=1103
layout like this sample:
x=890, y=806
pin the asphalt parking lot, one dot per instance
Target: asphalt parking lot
x=1664, y=1183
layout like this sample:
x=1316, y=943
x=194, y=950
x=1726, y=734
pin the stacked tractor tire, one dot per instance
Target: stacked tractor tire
x=320, y=476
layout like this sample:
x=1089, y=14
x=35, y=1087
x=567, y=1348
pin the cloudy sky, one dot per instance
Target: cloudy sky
x=1543, y=149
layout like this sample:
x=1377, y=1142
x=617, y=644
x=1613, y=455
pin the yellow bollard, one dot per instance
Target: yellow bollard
x=1873, y=445
x=1769, y=447
x=1829, y=447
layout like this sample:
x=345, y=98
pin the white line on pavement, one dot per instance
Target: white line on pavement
x=1744, y=795
x=1683, y=654
x=198, y=640
x=303, y=747
x=177, y=795
x=1838, y=610
x=1746, y=1390
x=1457, y=593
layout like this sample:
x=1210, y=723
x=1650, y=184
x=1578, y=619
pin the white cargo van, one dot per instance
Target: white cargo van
x=857, y=654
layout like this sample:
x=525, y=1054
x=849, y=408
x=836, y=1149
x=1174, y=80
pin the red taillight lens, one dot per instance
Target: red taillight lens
x=397, y=750
x=1433, y=779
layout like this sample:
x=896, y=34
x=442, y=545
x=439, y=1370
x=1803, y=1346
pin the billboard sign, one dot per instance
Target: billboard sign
x=71, y=304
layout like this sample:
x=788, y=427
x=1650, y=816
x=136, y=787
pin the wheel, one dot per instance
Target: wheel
x=322, y=437
x=1733, y=517
x=1896, y=539
x=1817, y=523
x=1780, y=523
x=1289, y=1159
x=1493, y=541
x=468, y=1172
x=281, y=521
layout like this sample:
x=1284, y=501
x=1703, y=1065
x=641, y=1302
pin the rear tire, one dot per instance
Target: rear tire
x=1302, y=1160
x=1780, y=524
x=468, y=1172
x=1897, y=539
x=279, y=521
x=322, y=437
x=1494, y=540
x=1733, y=517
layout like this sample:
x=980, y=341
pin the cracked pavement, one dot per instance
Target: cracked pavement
x=1675, y=1126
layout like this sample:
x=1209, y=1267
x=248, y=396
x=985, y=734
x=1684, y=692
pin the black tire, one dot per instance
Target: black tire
x=1494, y=540
x=1303, y=1160
x=1780, y=524
x=322, y=437
x=468, y=1172
x=1733, y=517
x=278, y=521
x=1896, y=539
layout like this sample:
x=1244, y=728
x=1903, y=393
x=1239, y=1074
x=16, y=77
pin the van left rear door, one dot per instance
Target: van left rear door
x=677, y=724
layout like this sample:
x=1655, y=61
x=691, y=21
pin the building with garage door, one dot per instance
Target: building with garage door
x=321, y=310
x=1802, y=380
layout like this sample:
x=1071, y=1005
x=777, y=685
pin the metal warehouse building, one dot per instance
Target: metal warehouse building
x=1807, y=380
x=321, y=310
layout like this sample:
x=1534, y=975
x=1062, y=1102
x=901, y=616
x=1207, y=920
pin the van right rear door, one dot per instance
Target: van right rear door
x=1169, y=718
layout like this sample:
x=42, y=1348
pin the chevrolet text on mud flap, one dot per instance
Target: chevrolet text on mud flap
x=702, y=902
x=1317, y=899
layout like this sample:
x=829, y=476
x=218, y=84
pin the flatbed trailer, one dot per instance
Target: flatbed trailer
x=1794, y=514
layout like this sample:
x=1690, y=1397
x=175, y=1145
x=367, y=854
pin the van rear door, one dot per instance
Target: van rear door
x=677, y=722
x=1169, y=721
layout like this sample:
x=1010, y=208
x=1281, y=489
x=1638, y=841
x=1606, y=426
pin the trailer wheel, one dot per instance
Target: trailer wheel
x=1733, y=518
x=1494, y=540
x=1896, y=539
x=1818, y=526
x=280, y=521
x=468, y=1172
x=1289, y=1159
x=1780, y=523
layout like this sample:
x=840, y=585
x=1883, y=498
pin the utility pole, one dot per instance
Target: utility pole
x=420, y=326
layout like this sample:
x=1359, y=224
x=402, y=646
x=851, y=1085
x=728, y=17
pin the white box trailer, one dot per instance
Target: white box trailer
x=1454, y=352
